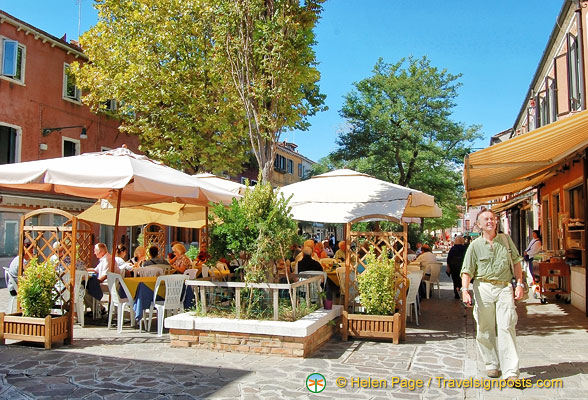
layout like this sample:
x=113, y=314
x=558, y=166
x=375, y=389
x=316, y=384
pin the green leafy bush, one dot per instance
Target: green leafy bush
x=379, y=283
x=35, y=289
x=192, y=252
x=258, y=224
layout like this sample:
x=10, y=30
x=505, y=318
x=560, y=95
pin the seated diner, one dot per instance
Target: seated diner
x=181, y=261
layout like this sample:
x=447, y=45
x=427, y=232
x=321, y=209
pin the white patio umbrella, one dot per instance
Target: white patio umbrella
x=120, y=176
x=168, y=214
x=221, y=182
x=346, y=196
x=111, y=174
x=343, y=196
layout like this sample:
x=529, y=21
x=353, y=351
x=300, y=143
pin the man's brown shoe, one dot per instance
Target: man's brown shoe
x=493, y=373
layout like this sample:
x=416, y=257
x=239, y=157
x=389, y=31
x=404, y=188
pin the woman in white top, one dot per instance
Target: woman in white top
x=534, y=247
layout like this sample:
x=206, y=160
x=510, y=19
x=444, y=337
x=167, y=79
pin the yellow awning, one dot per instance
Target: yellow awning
x=524, y=161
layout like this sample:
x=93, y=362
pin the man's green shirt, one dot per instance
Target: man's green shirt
x=491, y=262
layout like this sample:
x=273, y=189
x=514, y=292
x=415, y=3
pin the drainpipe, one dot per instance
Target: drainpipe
x=580, y=26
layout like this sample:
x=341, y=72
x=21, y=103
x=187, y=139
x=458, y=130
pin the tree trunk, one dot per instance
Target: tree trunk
x=267, y=170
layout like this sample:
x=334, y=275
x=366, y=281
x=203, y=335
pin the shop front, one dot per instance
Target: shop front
x=539, y=181
x=563, y=203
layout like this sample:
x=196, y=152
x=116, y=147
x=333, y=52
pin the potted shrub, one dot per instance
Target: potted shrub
x=379, y=290
x=258, y=225
x=36, y=294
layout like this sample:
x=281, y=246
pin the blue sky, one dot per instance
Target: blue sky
x=496, y=45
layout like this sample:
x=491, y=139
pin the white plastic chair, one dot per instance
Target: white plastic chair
x=12, y=300
x=150, y=270
x=312, y=289
x=192, y=273
x=434, y=278
x=413, y=292
x=114, y=281
x=172, y=301
x=219, y=272
x=412, y=268
x=167, y=269
x=79, y=294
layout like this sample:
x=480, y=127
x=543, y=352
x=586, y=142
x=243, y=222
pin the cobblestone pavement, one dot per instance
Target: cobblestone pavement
x=102, y=364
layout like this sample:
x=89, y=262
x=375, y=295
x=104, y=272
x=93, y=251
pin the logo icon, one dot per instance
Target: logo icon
x=316, y=383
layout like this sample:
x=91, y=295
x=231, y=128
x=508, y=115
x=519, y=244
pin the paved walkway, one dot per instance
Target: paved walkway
x=101, y=364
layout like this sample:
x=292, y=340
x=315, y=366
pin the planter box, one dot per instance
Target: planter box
x=300, y=338
x=48, y=330
x=388, y=327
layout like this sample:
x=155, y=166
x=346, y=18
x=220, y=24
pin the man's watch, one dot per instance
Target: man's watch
x=464, y=289
x=520, y=284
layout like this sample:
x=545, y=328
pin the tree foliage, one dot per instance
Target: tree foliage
x=265, y=51
x=202, y=81
x=258, y=224
x=155, y=59
x=401, y=131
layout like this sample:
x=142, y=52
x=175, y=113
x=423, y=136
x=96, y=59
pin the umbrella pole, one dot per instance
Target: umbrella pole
x=347, y=265
x=207, y=235
x=115, y=229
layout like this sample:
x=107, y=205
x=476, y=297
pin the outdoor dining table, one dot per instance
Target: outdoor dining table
x=332, y=275
x=141, y=288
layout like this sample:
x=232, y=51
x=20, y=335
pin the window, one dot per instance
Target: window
x=556, y=231
x=13, y=56
x=552, y=95
x=110, y=105
x=290, y=166
x=9, y=145
x=71, y=147
x=546, y=224
x=300, y=170
x=576, y=198
x=70, y=90
x=543, y=111
x=280, y=163
x=574, y=73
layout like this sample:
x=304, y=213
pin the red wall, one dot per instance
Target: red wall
x=39, y=104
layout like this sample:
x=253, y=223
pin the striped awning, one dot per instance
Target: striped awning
x=524, y=161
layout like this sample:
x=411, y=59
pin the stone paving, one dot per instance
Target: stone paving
x=101, y=364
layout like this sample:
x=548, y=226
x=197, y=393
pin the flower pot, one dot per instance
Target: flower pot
x=386, y=327
x=328, y=304
x=46, y=330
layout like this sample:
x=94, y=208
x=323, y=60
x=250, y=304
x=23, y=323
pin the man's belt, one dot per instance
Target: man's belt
x=494, y=282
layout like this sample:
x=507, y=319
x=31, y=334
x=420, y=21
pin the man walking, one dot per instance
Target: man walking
x=491, y=259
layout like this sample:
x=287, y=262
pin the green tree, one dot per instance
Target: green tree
x=156, y=59
x=264, y=49
x=259, y=224
x=400, y=130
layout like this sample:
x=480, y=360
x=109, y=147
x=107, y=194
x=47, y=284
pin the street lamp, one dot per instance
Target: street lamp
x=83, y=134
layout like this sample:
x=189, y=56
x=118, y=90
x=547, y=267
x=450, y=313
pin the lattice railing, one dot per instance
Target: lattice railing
x=57, y=246
x=154, y=235
x=84, y=244
x=361, y=242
